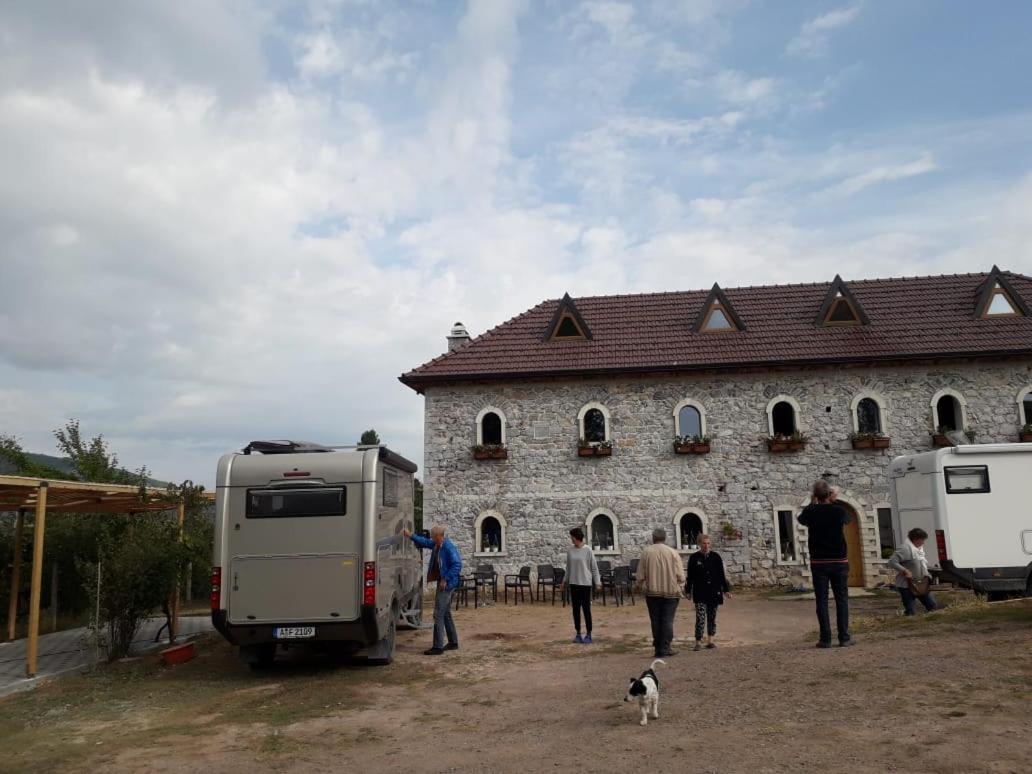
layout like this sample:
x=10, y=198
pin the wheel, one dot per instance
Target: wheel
x=382, y=653
x=259, y=657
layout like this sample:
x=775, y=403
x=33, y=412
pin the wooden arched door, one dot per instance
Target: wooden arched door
x=854, y=547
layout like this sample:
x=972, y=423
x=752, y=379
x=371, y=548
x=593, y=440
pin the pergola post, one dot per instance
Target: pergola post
x=173, y=629
x=12, y=608
x=38, y=532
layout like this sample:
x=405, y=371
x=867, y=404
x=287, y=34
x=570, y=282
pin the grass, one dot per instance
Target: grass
x=961, y=611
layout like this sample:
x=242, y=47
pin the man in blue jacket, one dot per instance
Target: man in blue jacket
x=445, y=569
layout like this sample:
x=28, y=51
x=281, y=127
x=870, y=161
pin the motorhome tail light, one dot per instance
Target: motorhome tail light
x=216, y=588
x=369, y=584
x=296, y=474
x=940, y=543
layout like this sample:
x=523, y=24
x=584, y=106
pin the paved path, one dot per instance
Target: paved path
x=67, y=651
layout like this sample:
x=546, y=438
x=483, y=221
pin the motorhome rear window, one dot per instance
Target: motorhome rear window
x=296, y=503
x=973, y=479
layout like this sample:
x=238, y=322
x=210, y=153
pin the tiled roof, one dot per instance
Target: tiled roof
x=909, y=318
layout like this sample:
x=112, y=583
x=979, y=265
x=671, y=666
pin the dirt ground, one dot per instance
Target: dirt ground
x=950, y=692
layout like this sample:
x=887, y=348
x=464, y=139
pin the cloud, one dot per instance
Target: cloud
x=812, y=40
x=885, y=174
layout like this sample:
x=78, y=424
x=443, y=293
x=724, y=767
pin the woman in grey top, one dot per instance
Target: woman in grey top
x=581, y=576
x=911, y=566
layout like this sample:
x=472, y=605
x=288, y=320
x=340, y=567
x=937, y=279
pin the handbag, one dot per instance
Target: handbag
x=920, y=588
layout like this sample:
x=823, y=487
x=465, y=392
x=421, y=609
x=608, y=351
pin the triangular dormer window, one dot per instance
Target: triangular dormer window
x=717, y=315
x=840, y=307
x=997, y=298
x=567, y=323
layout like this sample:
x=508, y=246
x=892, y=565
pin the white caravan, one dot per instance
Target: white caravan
x=975, y=503
x=309, y=550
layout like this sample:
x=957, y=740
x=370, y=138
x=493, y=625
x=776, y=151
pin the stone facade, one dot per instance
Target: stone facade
x=544, y=488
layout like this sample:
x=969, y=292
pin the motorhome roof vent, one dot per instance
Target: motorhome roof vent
x=284, y=447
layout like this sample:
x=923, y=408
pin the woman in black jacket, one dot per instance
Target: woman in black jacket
x=706, y=585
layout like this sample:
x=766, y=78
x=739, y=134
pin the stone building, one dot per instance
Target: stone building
x=715, y=411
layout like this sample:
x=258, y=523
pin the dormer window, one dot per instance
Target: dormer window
x=840, y=307
x=567, y=323
x=1000, y=304
x=998, y=298
x=717, y=315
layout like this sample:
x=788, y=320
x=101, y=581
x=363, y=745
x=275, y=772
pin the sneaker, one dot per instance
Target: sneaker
x=587, y=639
x=579, y=640
x=668, y=654
x=823, y=644
x=433, y=652
x=452, y=646
x=711, y=645
x=698, y=645
x=847, y=643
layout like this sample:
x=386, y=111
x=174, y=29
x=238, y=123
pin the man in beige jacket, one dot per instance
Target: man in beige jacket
x=661, y=575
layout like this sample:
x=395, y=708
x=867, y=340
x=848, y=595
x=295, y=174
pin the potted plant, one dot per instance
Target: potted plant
x=490, y=451
x=1025, y=433
x=881, y=441
x=594, y=448
x=787, y=443
x=939, y=437
x=862, y=440
x=970, y=434
x=730, y=531
x=691, y=444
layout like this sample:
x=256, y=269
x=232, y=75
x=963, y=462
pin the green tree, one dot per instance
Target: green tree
x=92, y=459
x=14, y=455
x=369, y=438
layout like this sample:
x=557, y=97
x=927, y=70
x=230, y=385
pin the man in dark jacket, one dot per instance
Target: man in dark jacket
x=829, y=560
x=706, y=586
x=445, y=571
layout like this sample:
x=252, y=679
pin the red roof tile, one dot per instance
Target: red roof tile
x=910, y=318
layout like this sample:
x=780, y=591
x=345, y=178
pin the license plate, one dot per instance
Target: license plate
x=293, y=632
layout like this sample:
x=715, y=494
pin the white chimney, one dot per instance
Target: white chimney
x=458, y=336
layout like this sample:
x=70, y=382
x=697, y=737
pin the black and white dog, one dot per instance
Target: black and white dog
x=646, y=690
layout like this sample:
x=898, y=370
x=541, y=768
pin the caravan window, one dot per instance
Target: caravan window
x=295, y=503
x=967, y=480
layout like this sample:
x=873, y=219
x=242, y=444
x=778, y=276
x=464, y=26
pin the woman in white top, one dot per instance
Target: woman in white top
x=911, y=567
x=581, y=576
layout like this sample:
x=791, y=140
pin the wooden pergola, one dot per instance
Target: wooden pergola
x=42, y=496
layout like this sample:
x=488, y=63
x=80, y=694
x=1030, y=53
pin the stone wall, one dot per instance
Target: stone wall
x=544, y=488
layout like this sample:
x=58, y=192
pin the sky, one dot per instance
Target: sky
x=230, y=220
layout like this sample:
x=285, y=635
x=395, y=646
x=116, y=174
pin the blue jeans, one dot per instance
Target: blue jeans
x=909, y=598
x=837, y=576
x=443, y=622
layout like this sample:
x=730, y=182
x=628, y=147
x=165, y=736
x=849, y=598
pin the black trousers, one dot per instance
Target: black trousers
x=835, y=575
x=661, y=613
x=580, y=600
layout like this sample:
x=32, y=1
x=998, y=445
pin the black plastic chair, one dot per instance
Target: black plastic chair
x=608, y=578
x=559, y=575
x=545, y=579
x=467, y=583
x=518, y=583
x=634, y=568
x=486, y=577
x=623, y=583
x=604, y=565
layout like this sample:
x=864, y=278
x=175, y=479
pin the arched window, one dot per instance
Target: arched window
x=689, y=419
x=783, y=416
x=602, y=532
x=949, y=411
x=689, y=523
x=868, y=411
x=491, y=427
x=868, y=416
x=594, y=423
x=490, y=530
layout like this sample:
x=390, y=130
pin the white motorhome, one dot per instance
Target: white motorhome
x=309, y=550
x=974, y=502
